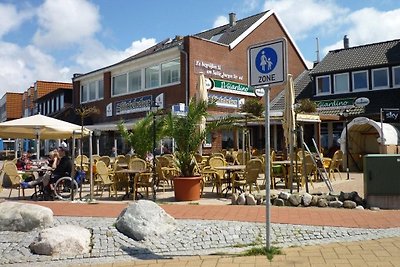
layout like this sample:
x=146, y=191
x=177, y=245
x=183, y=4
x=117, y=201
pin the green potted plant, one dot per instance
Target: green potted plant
x=188, y=136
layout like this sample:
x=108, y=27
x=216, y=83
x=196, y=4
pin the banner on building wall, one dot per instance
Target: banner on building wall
x=109, y=110
x=336, y=103
x=232, y=87
x=226, y=101
x=138, y=104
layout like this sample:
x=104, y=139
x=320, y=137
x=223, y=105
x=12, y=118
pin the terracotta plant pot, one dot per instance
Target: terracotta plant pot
x=187, y=188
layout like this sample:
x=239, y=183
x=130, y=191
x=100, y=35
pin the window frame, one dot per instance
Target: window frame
x=394, y=68
x=348, y=83
x=171, y=71
x=387, y=79
x=353, y=81
x=329, y=83
x=87, y=91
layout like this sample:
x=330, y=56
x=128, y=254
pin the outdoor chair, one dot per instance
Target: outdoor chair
x=105, y=178
x=10, y=169
x=217, y=176
x=250, y=175
x=335, y=164
x=106, y=160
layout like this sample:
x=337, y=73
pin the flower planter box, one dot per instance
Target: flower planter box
x=187, y=188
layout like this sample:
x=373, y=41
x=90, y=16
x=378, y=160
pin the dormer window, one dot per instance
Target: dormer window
x=323, y=85
x=396, y=76
x=360, y=80
x=380, y=78
x=341, y=83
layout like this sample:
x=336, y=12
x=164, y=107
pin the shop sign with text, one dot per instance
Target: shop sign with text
x=226, y=101
x=232, y=87
x=138, y=104
x=335, y=103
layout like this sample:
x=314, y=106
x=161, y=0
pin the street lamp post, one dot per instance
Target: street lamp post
x=154, y=109
x=346, y=115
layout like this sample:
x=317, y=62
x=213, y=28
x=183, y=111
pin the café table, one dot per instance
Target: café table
x=132, y=174
x=230, y=169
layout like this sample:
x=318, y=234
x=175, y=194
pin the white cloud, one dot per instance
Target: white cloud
x=94, y=55
x=369, y=25
x=310, y=16
x=65, y=22
x=249, y=6
x=11, y=18
x=220, y=20
x=22, y=66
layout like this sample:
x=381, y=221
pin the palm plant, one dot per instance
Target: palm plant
x=139, y=137
x=188, y=135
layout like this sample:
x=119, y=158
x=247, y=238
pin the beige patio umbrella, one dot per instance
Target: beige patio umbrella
x=288, y=123
x=202, y=95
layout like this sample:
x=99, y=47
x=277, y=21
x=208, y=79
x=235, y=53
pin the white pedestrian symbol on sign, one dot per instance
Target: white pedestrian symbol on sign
x=266, y=60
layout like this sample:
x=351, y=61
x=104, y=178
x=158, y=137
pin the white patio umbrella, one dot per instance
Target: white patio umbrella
x=201, y=95
x=289, y=123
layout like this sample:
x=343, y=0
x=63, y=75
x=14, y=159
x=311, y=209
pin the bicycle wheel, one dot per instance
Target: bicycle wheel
x=66, y=188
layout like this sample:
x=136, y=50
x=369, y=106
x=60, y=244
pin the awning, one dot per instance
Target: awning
x=110, y=126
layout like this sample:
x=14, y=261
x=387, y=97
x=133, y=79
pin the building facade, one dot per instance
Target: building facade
x=168, y=73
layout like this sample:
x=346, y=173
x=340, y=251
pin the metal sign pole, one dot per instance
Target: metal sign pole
x=267, y=171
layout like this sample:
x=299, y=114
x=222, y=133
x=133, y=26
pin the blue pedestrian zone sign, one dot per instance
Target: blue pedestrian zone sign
x=268, y=63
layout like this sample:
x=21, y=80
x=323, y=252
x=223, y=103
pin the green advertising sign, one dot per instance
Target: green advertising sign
x=335, y=103
x=232, y=87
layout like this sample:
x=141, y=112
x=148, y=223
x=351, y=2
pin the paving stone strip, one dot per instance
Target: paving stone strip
x=192, y=237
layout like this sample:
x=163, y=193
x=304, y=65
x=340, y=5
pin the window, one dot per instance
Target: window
x=170, y=72
x=396, y=76
x=119, y=84
x=135, y=81
x=152, y=76
x=341, y=83
x=323, y=85
x=57, y=103
x=360, y=80
x=61, y=101
x=92, y=91
x=380, y=78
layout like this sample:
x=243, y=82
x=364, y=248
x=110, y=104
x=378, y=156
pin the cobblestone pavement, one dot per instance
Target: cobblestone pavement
x=192, y=237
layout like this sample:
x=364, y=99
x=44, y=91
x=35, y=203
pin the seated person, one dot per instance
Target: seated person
x=54, y=159
x=23, y=161
x=64, y=168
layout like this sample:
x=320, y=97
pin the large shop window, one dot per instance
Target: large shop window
x=120, y=85
x=135, y=81
x=323, y=85
x=152, y=76
x=92, y=91
x=341, y=82
x=170, y=72
x=380, y=78
x=360, y=80
x=396, y=76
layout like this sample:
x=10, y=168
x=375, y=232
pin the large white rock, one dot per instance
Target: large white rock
x=24, y=217
x=144, y=218
x=63, y=239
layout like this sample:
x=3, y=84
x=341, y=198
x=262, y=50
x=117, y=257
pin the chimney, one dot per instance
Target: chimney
x=345, y=42
x=232, y=19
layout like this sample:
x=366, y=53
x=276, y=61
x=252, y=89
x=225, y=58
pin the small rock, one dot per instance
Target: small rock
x=348, y=204
x=272, y=197
x=314, y=201
x=241, y=199
x=335, y=204
x=234, y=199
x=322, y=202
x=306, y=199
x=331, y=198
x=375, y=208
x=335, y=194
x=359, y=207
x=295, y=199
x=250, y=200
x=278, y=202
x=284, y=195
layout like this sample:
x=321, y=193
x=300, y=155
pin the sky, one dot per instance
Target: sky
x=51, y=40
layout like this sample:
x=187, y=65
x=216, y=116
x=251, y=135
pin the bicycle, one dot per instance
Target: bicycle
x=66, y=188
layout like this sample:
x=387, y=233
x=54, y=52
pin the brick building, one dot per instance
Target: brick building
x=169, y=72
